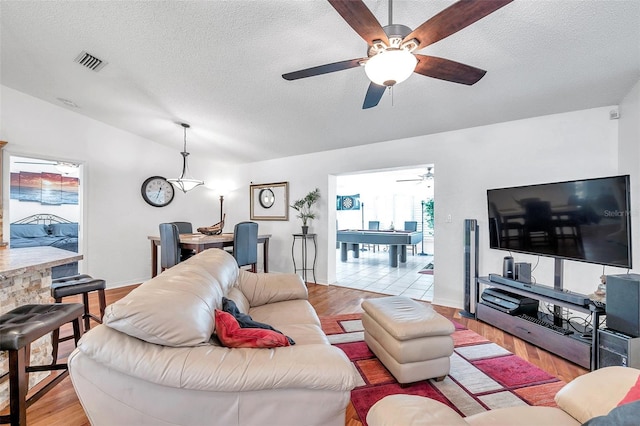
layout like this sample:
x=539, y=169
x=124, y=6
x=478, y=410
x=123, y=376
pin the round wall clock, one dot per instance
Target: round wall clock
x=157, y=192
x=267, y=198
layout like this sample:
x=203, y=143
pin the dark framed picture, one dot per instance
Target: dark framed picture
x=269, y=201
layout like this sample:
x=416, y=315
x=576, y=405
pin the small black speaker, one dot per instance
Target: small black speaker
x=623, y=303
x=523, y=272
x=508, y=267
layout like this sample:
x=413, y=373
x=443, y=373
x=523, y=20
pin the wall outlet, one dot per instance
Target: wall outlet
x=448, y=218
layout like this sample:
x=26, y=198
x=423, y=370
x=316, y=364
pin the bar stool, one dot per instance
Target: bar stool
x=72, y=286
x=18, y=329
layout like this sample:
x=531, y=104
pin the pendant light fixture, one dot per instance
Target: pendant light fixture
x=185, y=183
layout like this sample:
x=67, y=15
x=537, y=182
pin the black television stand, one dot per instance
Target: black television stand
x=579, y=346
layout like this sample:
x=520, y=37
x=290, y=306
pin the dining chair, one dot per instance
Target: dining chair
x=412, y=226
x=185, y=228
x=169, y=245
x=245, y=244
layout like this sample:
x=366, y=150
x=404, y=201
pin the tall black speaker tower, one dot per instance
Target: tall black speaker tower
x=470, y=268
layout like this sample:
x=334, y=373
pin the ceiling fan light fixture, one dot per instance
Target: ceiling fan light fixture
x=66, y=168
x=184, y=182
x=390, y=67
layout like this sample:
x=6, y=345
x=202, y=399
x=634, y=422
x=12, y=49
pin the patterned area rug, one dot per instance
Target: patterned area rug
x=483, y=375
x=427, y=269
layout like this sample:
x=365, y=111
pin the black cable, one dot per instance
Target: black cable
x=536, y=265
x=584, y=322
x=533, y=278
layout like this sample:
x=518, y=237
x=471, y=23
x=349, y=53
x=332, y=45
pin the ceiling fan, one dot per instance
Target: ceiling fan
x=48, y=163
x=62, y=166
x=390, y=58
x=421, y=178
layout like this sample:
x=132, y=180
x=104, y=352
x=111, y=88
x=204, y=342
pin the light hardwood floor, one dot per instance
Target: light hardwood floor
x=60, y=407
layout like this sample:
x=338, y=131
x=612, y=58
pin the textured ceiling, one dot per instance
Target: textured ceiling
x=217, y=65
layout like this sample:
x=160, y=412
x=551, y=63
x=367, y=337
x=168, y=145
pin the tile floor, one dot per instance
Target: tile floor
x=371, y=272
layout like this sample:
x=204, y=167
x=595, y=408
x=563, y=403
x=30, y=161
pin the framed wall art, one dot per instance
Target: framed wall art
x=269, y=201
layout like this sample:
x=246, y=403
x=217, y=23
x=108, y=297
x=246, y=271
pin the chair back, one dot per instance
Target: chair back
x=169, y=245
x=184, y=227
x=245, y=244
x=374, y=225
x=411, y=226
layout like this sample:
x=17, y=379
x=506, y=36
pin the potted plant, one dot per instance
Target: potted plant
x=303, y=207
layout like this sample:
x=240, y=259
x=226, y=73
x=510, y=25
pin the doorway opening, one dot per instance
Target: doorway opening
x=389, y=202
x=45, y=206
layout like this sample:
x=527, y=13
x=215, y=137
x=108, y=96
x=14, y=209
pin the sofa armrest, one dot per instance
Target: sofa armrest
x=393, y=410
x=261, y=289
x=596, y=393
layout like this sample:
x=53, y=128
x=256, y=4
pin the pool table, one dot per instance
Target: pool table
x=350, y=239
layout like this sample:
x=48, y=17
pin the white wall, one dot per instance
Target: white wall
x=629, y=157
x=117, y=220
x=574, y=145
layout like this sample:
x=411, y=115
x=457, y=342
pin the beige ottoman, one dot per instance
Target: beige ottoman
x=411, y=339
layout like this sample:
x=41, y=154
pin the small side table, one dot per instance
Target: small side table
x=305, y=253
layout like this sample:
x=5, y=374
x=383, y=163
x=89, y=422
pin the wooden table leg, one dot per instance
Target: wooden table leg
x=154, y=259
x=265, y=255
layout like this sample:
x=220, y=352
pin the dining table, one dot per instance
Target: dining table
x=200, y=242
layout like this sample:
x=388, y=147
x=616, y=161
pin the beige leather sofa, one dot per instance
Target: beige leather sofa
x=585, y=398
x=153, y=362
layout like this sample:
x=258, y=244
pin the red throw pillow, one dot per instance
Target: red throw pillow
x=231, y=335
x=633, y=394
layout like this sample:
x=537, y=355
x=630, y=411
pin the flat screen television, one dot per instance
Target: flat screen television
x=586, y=220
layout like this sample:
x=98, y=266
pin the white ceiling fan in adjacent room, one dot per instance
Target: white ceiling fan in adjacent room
x=63, y=167
x=421, y=178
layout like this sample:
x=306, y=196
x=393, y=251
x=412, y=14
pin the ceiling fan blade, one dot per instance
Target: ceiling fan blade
x=446, y=69
x=373, y=96
x=409, y=180
x=454, y=18
x=360, y=18
x=323, y=69
x=34, y=162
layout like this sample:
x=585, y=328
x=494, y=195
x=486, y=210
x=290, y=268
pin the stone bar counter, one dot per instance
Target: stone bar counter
x=25, y=278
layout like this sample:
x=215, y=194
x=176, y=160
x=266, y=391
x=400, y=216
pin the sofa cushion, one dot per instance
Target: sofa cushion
x=233, y=336
x=263, y=289
x=176, y=308
x=612, y=383
x=287, y=312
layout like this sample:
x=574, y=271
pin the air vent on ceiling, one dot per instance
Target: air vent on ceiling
x=89, y=61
